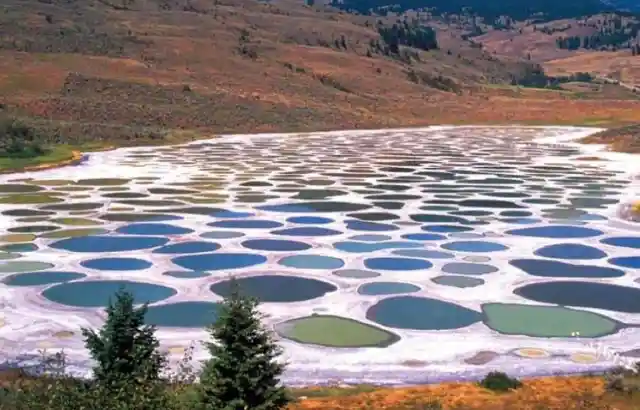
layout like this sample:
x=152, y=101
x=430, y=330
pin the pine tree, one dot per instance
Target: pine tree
x=125, y=349
x=243, y=371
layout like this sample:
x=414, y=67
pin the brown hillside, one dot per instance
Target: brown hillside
x=619, y=65
x=130, y=69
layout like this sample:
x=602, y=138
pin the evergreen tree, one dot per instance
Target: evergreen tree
x=125, y=349
x=242, y=372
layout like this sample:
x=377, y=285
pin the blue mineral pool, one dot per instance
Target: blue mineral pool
x=396, y=264
x=557, y=269
x=424, y=237
x=41, y=278
x=153, y=229
x=632, y=262
x=386, y=288
x=363, y=247
x=623, y=241
x=98, y=293
x=232, y=214
x=275, y=245
x=245, y=224
x=311, y=262
x=108, y=243
x=570, y=251
x=218, y=261
x=357, y=225
x=309, y=220
x=446, y=228
x=584, y=294
x=183, y=314
x=306, y=231
x=370, y=238
x=409, y=312
x=474, y=246
x=116, y=264
x=276, y=288
x=557, y=232
x=188, y=247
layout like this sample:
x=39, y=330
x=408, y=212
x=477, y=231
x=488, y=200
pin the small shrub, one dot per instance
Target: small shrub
x=500, y=382
x=621, y=380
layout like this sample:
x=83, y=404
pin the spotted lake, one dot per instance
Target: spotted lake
x=453, y=250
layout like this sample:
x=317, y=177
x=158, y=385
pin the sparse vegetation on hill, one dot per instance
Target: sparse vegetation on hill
x=101, y=73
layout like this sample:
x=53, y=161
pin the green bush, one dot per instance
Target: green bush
x=500, y=382
x=17, y=140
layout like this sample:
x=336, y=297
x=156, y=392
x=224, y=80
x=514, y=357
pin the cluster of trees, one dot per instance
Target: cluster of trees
x=410, y=35
x=489, y=11
x=534, y=76
x=18, y=140
x=614, y=33
x=242, y=373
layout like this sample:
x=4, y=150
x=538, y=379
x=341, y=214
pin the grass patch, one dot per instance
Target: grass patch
x=54, y=155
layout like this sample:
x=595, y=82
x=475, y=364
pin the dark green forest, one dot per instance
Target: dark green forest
x=489, y=10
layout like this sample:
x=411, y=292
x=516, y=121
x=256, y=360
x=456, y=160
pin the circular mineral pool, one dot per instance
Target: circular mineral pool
x=423, y=253
x=446, y=228
x=546, y=321
x=584, y=294
x=370, y=238
x=109, y=243
x=218, y=261
x=153, y=229
x=464, y=268
x=183, y=314
x=424, y=237
x=306, y=231
x=188, y=247
x=222, y=235
x=246, y=224
x=396, y=264
x=311, y=262
x=386, y=288
x=41, y=278
x=356, y=273
x=632, y=262
x=623, y=241
x=357, y=225
x=570, y=251
x=457, y=281
x=117, y=264
x=335, y=332
x=98, y=293
x=275, y=245
x=557, y=232
x=549, y=268
x=276, y=288
x=363, y=247
x=186, y=274
x=309, y=220
x=474, y=246
x=409, y=312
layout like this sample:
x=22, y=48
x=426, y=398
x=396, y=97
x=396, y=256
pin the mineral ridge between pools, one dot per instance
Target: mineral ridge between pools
x=430, y=246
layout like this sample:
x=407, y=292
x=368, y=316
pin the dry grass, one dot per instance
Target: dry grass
x=620, y=65
x=622, y=139
x=553, y=393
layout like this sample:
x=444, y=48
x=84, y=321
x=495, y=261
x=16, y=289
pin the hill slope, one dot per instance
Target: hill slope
x=126, y=71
